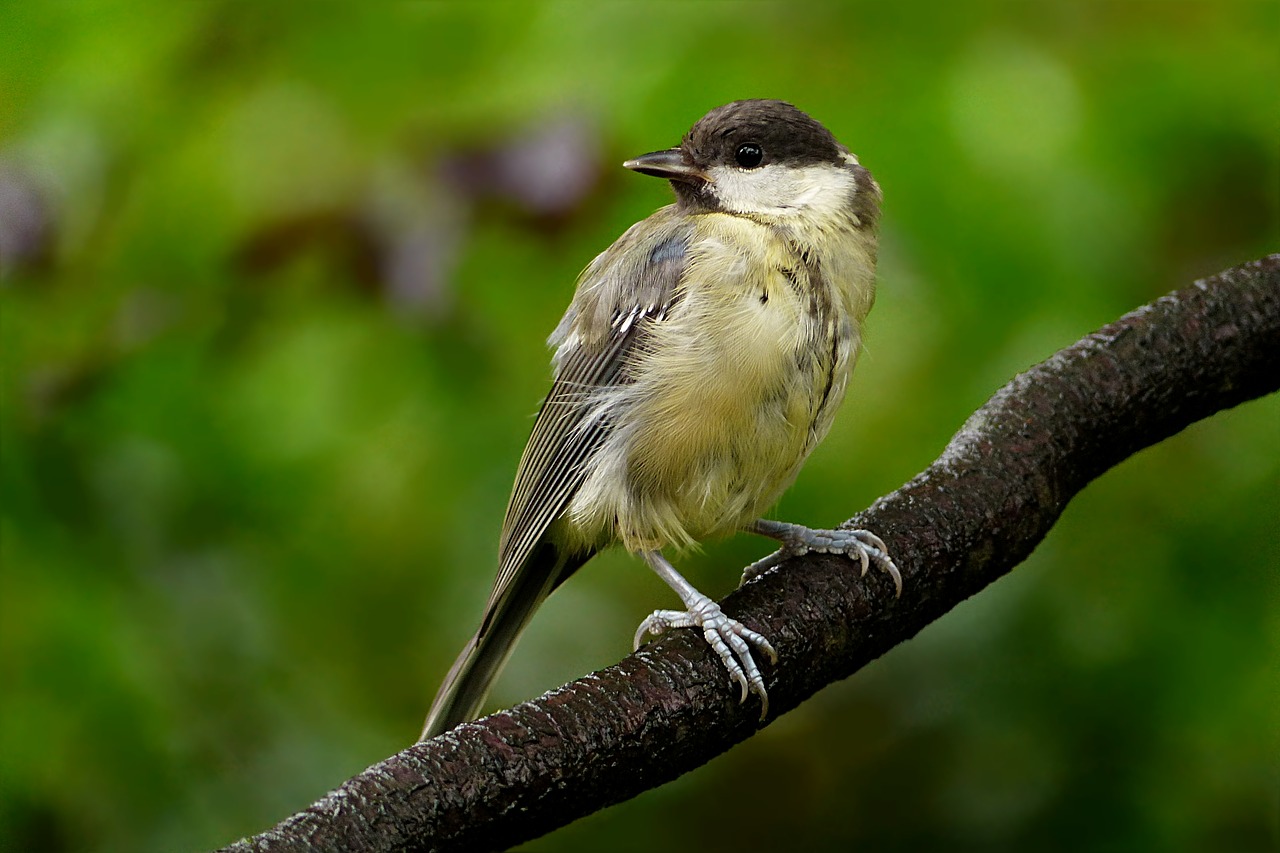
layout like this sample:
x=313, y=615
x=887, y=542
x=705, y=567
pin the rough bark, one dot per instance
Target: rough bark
x=978, y=511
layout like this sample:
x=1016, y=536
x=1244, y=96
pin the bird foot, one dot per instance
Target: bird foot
x=730, y=639
x=860, y=545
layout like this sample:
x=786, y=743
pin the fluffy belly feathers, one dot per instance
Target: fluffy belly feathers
x=710, y=432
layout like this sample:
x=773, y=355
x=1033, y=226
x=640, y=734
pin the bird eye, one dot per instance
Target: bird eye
x=749, y=155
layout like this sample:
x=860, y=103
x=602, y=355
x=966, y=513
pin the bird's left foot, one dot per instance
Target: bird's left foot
x=860, y=545
x=730, y=639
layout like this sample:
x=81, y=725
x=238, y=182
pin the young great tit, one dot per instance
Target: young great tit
x=702, y=358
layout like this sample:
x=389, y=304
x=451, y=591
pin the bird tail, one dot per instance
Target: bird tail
x=465, y=687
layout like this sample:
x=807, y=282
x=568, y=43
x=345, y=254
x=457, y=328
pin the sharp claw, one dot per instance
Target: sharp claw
x=895, y=574
x=769, y=650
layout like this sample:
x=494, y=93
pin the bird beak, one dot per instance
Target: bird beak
x=670, y=164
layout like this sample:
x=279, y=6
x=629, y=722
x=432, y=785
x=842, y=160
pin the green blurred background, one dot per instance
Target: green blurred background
x=276, y=282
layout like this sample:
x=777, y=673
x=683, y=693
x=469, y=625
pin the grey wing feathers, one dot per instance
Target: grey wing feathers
x=634, y=282
x=629, y=286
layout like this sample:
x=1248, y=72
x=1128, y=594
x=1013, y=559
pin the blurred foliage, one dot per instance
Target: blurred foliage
x=275, y=283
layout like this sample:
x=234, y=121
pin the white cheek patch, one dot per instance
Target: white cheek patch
x=776, y=190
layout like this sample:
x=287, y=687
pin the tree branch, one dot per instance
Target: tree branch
x=972, y=516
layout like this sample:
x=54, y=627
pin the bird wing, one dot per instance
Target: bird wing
x=622, y=293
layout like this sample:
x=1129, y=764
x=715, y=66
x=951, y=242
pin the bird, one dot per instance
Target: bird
x=702, y=357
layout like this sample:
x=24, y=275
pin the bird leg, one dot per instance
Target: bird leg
x=730, y=639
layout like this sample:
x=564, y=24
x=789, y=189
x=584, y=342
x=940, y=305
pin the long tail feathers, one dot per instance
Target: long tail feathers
x=465, y=687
